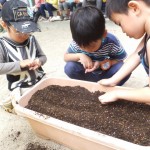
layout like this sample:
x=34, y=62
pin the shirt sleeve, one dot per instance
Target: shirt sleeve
x=116, y=49
x=73, y=48
x=40, y=54
x=5, y=66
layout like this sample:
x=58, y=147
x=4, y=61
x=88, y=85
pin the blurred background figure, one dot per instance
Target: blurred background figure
x=1, y=5
x=64, y=9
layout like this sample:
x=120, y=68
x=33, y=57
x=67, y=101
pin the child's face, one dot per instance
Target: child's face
x=17, y=36
x=92, y=47
x=130, y=23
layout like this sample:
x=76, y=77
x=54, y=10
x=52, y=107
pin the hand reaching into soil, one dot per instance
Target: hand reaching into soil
x=108, y=97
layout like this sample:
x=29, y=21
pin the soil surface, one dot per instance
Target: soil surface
x=125, y=120
x=37, y=146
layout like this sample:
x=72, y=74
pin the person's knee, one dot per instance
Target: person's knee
x=69, y=68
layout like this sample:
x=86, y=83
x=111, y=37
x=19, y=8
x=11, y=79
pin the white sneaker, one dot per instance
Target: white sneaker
x=51, y=19
x=58, y=18
x=42, y=19
x=55, y=18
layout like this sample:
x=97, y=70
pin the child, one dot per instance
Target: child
x=134, y=18
x=21, y=57
x=94, y=54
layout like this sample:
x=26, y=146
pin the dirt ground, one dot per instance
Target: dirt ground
x=16, y=132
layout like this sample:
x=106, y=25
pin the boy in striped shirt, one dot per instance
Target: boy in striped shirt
x=94, y=54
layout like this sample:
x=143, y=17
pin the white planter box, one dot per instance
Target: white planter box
x=72, y=136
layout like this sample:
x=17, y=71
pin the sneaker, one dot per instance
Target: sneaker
x=7, y=104
x=42, y=19
x=51, y=19
x=56, y=18
x=66, y=18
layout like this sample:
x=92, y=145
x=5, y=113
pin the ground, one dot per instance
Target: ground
x=54, y=39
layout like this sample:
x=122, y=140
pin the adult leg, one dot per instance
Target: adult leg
x=37, y=15
x=50, y=8
x=66, y=11
x=99, y=4
x=78, y=5
x=72, y=7
x=61, y=10
x=42, y=10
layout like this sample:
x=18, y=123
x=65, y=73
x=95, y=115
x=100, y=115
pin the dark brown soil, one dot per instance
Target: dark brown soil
x=35, y=146
x=125, y=120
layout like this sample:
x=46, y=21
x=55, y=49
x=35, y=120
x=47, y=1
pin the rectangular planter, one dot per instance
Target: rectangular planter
x=72, y=136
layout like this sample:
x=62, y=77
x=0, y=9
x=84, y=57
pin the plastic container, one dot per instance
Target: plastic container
x=72, y=136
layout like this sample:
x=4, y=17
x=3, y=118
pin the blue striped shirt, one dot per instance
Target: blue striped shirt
x=111, y=48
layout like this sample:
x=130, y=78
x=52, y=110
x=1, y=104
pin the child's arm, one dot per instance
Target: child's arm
x=74, y=53
x=130, y=94
x=136, y=95
x=130, y=64
x=79, y=57
x=40, y=54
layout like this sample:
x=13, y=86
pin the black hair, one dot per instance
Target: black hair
x=119, y=6
x=87, y=25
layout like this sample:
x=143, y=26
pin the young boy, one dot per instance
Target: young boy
x=94, y=54
x=21, y=57
x=134, y=18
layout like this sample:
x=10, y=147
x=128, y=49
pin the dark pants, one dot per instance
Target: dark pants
x=74, y=6
x=75, y=70
x=36, y=14
x=49, y=7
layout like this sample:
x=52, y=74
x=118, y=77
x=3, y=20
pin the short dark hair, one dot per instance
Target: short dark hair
x=87, y=24
x=119, y=6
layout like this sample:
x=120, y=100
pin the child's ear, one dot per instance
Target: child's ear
x=3, y=24
x=105, y=34
x=134, y=6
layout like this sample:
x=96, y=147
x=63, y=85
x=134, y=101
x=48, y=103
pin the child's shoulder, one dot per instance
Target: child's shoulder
x=111, y=38
x=110, y=35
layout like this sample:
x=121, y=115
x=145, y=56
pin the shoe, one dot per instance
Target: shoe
x=66, y=18
x=51, y=19
x=58, y=18
x=55, y=18
x=7, y=104
x=42, y=19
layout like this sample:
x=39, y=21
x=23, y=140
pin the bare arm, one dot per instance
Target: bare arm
x=130, y=64
x=71, y=57
x=130, y=94
x=79, y=57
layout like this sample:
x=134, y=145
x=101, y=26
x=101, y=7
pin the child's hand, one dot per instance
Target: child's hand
x=107, y=82
x=95, y=66
x=26, y=63
x=31, y=64
x=108, y=97
x=35, y=64
x=85, y=61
